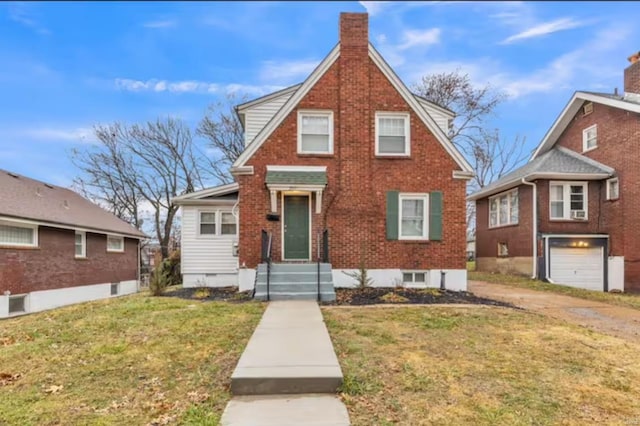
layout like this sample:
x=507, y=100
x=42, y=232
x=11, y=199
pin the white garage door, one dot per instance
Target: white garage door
x=577, y=267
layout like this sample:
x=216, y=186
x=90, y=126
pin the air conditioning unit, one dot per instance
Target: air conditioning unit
x=578, y=214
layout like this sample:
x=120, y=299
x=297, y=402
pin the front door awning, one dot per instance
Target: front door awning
x=296, y=178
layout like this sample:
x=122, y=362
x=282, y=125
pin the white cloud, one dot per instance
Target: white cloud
x=545, y=28
x=191, y=86
x=53, y=134
x=287, y=71
x=168, y=23
x=20, y=12
x=413, y=38
x=374, y=7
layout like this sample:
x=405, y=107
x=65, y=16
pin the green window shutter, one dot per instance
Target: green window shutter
x=435, y=216
x=392, y=215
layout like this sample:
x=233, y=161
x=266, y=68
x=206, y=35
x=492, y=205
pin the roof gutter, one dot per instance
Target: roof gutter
x=534, y=236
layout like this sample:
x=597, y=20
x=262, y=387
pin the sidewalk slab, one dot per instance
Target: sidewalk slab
x=285, y=410
x=290, y=352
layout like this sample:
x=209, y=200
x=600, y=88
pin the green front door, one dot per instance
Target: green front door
x=296, y=228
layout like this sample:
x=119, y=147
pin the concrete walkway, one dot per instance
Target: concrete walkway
x=287, y=365
x=603, y=317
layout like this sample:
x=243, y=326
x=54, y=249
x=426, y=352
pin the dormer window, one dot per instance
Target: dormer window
x=315, y=132
x=392, y=134
x=590, y=138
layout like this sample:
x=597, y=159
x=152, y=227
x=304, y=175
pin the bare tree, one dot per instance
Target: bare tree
x=490, y=156
x=222, y=128
x=150, y=163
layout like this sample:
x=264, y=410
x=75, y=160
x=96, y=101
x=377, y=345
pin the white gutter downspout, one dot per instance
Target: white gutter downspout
x=534, y=274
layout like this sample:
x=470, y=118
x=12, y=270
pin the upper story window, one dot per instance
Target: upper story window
x=568, y=200
x=613, y=189
x=115, y=244
x=413, y=216
x=590, y=138
x=18, y=235
x=81, y=244
x=503, y=209
x=315, y=132
x=392, y=134
x=217, y=222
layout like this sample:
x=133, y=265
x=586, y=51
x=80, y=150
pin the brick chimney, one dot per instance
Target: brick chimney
x=632, y=75
x=354, y=30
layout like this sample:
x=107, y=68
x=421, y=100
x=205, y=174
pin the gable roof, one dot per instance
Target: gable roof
x=622, y=102
x=266, y=98
x=220, y=193
x=26, y=198
x=558, y=163
x=318, y=72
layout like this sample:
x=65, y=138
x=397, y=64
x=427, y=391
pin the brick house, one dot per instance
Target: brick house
x=57, y=248
x=570, y=215
x=349, y=167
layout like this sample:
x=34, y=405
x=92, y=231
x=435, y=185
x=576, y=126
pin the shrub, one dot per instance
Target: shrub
x=166, y=274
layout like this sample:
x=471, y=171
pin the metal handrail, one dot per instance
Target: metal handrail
x=266, y=256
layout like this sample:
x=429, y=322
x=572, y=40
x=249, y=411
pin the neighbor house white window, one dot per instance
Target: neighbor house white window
x=115, y=244
x=568, y=200
x=613, y=189
x=81, y=244
x=18, y=235
x=413, y=216
x=315, y=132
x=503, y=209
x=392, y=134
x=590, y=138
x=216, y=223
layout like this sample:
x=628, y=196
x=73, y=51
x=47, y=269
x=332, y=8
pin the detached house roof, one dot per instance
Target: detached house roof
x=25, y=198
x=558, y=163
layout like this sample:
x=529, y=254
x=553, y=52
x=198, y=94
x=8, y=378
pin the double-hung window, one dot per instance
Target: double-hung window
x=216, y=223
x=413, y=216
x=81, y=244
x=568, y=200
x=503, y=209
x=228, y=224
x=18, y=235
x=613, y=189
x=207, y=223
x=392, y=134
x=590, y=138
x=315, y=132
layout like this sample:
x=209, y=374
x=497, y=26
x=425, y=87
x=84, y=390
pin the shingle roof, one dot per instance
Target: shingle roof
x=300, y=178
x=558, y=160
x=22, y=197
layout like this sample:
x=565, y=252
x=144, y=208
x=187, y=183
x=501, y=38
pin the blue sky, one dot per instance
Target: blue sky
x=68, y=66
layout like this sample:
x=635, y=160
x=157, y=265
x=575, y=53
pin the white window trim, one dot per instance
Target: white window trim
x=407, y=133
x=110, y=250
x=566, y=199
x=609, y=182
x=21, y=225
x=498, y=196
x=584, y=138
x=84, y=245
x=425, y=228
x=316, y=113
x=413, y=273
x=218, y=223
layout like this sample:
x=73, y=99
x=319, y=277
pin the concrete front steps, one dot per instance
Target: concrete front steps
x=295, y=281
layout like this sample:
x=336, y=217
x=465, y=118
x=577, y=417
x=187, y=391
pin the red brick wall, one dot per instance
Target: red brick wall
x=354, y=202
x=518, y=237
x=53, y=264
x=618, y=139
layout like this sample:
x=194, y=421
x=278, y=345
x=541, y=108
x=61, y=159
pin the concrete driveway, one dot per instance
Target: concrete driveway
x=610, y=319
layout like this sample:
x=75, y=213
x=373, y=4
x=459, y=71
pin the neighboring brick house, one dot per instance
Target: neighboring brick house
x=57, y=248
x=584, y=175
x=351, y=152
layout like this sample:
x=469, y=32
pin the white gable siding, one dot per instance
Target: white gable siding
x=212, y=255
x=441, y=119
x=258, y=116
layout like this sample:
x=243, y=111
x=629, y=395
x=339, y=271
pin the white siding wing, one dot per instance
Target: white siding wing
x=442, y=120
x=258, y=116
x=205, y=255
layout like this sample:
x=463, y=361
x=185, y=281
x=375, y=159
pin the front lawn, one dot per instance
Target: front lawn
x=131, y=360
x=630, y=300
x=480, y=365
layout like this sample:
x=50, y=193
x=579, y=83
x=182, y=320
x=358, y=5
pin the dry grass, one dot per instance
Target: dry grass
x=131, y=360
x=487, y=366
x=629, y=300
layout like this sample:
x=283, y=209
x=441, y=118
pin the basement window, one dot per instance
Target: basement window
x=17, y=304
x=413, y=277
x=115, y=289
x=503, y=250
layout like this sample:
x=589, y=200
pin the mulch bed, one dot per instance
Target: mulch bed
x=406, y=296
x=227, y=294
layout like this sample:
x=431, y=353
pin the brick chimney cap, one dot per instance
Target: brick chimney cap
x=634, y=58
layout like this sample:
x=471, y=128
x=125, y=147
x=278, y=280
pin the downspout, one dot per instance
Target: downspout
x=534, y=237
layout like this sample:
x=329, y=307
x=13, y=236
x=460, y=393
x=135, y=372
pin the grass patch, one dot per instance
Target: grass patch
x=485, y=366
x=629, y=300
x=471, y=265
x=130, y=360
